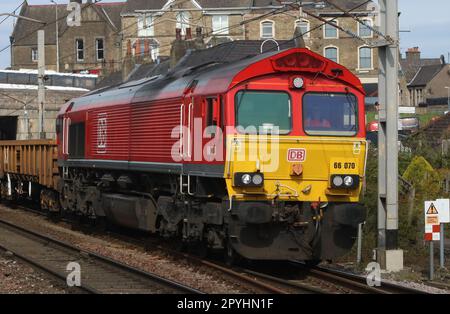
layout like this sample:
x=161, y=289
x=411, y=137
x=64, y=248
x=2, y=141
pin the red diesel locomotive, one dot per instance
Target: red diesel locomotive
x=263, y=158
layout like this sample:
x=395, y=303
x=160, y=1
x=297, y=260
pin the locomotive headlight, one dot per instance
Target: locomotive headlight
x=298, y=82
x=348, y=181
x=345, y=181
x=257, y=179
x=246, y=179
x=338, y=181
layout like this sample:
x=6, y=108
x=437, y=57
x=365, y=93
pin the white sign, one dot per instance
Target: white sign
x=432, y=225
x=443, y=207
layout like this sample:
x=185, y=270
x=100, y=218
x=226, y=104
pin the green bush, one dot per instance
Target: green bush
x=426, y=182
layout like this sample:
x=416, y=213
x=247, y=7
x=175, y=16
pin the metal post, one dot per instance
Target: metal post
x=57, y=36
x=382, y=137
x=358, y=257
x=41, y=87
x=392, y=258
x=431, y=260
x=442, y=245
x=27, y=122
x=392, y=127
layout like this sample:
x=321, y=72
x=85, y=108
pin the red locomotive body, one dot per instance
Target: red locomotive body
x=163, y=155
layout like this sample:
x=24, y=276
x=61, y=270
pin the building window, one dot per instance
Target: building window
x=332, y=54
x=145, y=26
x=330, y=31
x=267, y=29
x=100, y=49
x=34, y=54
x=363, y=30
x=183, y=21
x=304, y=27
x=365, y=58
x=220, y=24
x=79, y=45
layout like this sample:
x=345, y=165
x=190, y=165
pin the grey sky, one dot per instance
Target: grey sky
x=428, y=21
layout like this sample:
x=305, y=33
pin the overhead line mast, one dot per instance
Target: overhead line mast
x=388, y=253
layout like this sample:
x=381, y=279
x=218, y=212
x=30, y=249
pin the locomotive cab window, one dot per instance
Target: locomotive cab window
x=264, y=112
x=330, y=114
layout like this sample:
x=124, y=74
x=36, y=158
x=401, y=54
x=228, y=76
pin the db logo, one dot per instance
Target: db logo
x=102, y=135
x=296, y=154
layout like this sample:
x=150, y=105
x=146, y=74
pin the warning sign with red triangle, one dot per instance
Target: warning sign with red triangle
x=432, y=210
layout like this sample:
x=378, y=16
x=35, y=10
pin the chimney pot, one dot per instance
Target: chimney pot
x=188, y=33
x=178, y=34
x=146, y=47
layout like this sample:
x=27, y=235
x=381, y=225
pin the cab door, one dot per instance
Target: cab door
x=212, y=129
x=186, y=128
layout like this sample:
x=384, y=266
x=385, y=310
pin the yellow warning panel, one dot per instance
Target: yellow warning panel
x=432, y=210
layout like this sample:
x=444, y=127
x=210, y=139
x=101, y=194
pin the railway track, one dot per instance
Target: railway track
x=99, y=274
x=301, y=279
x=353, y=282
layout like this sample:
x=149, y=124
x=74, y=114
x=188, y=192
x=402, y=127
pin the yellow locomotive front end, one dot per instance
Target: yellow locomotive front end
x=298, y=199
x=295, y=166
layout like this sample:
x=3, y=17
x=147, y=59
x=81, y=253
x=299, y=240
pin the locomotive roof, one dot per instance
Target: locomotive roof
x=211, y=77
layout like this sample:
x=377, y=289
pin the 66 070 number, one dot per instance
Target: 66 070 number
x=345, y=165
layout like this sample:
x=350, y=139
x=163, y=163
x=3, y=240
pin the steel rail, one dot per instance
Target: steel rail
x=356, y=282
x=100, y=262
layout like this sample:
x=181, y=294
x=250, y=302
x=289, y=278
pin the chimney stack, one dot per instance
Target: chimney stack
x=178, y=50
x=298, y=37
x=128, y=63
x=198, y=32
x=198, y=42
x=413, y=55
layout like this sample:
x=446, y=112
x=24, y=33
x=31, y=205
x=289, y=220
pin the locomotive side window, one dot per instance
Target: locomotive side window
x=330, y=114
x=263, y=112
x=76, y=140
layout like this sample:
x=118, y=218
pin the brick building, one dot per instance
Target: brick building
x=148, y=28
x=151, y=25
x=93, y=46
x=423, y=80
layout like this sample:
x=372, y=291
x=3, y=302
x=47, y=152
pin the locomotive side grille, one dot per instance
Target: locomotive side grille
x=77, y=140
